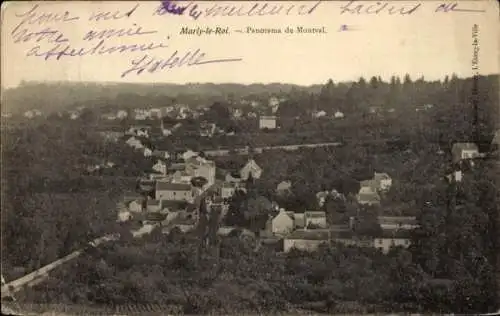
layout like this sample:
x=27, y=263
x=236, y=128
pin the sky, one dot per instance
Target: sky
x=423, y=43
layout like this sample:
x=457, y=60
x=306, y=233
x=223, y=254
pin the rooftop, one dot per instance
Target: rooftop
x=164, y=186
x=309, y=235
x=395, y=234
x=408, y=220
x=465, y=146
x=314, y=214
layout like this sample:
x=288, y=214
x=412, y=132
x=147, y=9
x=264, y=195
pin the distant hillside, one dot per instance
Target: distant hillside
x=64, y=95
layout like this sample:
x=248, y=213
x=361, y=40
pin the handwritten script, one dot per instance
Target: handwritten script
x=45, y=33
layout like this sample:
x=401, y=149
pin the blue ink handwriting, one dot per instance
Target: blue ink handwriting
x=171, y=7
x=34, y=17
x=453, y=7
x=151, y=64
x=59, y=50
x=109, y=15
x=240, y=9
x=113, y=33
x=353, y=7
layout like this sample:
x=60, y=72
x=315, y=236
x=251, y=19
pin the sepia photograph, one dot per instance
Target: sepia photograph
x=250, y=157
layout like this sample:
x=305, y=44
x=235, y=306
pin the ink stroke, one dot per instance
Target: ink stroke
x=151, y=64
x=44, y=34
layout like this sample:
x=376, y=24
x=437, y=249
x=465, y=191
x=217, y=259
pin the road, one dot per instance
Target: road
x=41, y=274
x=242, y=151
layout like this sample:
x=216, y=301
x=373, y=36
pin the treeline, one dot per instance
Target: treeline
x=49, y=208
x=51, y=97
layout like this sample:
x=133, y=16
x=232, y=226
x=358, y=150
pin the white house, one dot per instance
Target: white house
x=148, y=152
x=135, y=206
x=251, y=168
x=281, y=224
x=305, y=240
x=315, y=218
x=121, y=114
x=338, y=115
x=189, y=154
x=383, y=180
x=318, y=114
x=397, y=222
x=134, y=142
x=160, y=167
x=461, y=151
x=268, y=122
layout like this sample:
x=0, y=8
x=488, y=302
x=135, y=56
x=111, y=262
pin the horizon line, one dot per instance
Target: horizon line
x=415, y=78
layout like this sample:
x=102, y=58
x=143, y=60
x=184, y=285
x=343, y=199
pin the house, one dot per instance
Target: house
x=338, y=115
x=181, y=177
x=251, y=168
x=383, y=181
x=237, y=113
x=305, y=240
x=299, y=220
x=368, y=198
x=391, y=238
x=153, y=205
x=397, y=222
x=268, y=122
x=160, y=167
x=155, y=113
x=134, y=142
x=148, y=152
x=32, y=113
x=162, y=154
x=283, y=187
x=166, y=190
x=124, y=216
x=321, y=197
x=201, y=167
x=273, y=101
x=454, y=176
x=232, y=177
x=74, y=115
x=318, y=114
x=495, y=143
x=281, y=224
x=228, y=189
x=315, y=219
x=135, y=206
x=121, y=114
x=189, y=154
x=368, y=194
x=461, y=151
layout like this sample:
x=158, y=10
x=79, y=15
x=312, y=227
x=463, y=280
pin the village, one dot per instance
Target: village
x=170, y=193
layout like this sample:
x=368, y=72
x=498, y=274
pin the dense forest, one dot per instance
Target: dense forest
x=50, y=208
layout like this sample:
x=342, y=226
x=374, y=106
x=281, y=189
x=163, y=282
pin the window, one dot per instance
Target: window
x=380, y=241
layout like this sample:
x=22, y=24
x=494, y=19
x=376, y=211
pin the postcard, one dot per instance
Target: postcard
x=260, y=157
